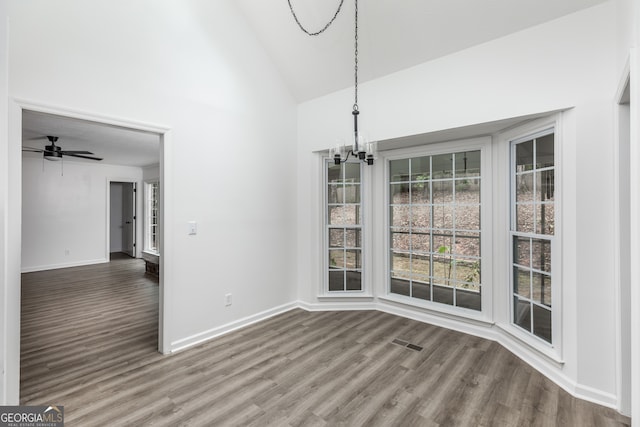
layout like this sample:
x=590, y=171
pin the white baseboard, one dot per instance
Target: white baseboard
x=201, y=337
x=63, y=265
x=337, y=306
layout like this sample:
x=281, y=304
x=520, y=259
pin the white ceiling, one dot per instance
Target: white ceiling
x=116, y=145
x=393, y=35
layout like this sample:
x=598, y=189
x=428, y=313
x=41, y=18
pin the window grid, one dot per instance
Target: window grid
x=343, y=227
x=152, y=243
x=447, y=261
x=532, y=230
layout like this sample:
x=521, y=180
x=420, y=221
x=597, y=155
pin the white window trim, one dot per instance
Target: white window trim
x=486, y=245
x=553, y=350
x=146, y=210
x=365, y=230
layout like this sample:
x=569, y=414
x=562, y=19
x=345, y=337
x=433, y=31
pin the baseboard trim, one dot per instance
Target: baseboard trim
x=199, y=338
x=337, y=306
x=63, y=265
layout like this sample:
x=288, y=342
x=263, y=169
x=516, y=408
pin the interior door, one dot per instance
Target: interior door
x=129, y=218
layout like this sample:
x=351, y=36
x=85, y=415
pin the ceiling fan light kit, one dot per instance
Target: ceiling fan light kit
x=54, y=152
x=361, y=147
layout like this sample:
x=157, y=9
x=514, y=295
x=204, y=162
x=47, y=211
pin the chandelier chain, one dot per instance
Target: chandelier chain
x=335, y=15
x=355, y=105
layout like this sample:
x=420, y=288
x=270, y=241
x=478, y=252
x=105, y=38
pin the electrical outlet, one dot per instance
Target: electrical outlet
x=227, y=299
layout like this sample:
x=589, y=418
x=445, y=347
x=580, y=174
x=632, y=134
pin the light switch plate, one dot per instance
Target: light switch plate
x=193, y=228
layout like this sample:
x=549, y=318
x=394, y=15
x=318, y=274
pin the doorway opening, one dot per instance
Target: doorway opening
x=85, y=179
x=123, y=224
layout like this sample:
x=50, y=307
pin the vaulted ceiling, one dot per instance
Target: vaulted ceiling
x=393, y=35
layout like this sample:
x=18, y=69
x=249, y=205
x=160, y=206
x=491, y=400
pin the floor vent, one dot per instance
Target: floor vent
x=407, y=345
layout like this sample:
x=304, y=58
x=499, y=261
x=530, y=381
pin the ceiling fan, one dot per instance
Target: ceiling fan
x=55, y=152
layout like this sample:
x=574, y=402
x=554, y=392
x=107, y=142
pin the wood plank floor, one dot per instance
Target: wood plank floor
x=89, y=343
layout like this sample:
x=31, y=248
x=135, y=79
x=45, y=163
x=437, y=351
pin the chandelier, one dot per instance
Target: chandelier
x=358, y=146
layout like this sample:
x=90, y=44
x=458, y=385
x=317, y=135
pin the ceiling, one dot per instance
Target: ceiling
x=393, y=35
x=116, y=145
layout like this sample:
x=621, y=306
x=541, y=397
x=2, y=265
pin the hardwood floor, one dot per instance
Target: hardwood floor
x=89, y=343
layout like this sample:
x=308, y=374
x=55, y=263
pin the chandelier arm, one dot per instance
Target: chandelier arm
x=335, y=15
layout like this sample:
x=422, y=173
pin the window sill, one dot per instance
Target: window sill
x=454, y=313
x=533, y=344
x=354, y=296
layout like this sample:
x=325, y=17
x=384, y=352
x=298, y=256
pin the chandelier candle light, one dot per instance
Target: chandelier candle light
x=361, y=148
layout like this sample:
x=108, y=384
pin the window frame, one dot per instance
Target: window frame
x=484, y=145
x=147, y=217
x=365, y=289
x=523, y=133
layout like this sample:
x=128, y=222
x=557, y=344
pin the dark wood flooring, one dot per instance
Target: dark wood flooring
x=89, y=339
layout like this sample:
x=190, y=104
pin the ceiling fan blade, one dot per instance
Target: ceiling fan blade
x=70, y=152
x=83, y=156
x=33, y=150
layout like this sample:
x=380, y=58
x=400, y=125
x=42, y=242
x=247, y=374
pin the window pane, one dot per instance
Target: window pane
x=545, y=182
x=524, y=218
x=467, y=244
x=443, y=216
x=443, y=295
x=467, y=270
x=420, y=216
x=442, y=268
x=468, y=298
x=351, y=172
x=399, y=170
x=442, y=166
x=522, y=313
x=354, y=280
x=521, y=250
x=336, y=237
x=544, y=151
x=336, y=280
x=542, y=323
x=542, y=289
x=400, y=216
x=524, y=187
x=401, y=264
x=420, y=265
x=420, y=168
x=541, y=255
x=522, y=282
x=545, y=223
x=420, y=193
x=420, y=242
x=353, y=238
x=334, y=193
x=351, y=193
x=442, y=244
x=467, y=164
x=353, y=258
x=336, y=258
x=344, y=215
x=468, y=191
x=468, y=217
x=399, y=194
x=524, y=156
x=334, y=173
x=400, y=240
x=400, y=287
x=420, y=289
x=442, y=191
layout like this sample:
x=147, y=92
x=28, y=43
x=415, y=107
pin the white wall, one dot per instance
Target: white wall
x=6, y=337
x=196, y=68
x=570, y=62
x=64, y=217
x=151, y=173
x=115, y=220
